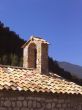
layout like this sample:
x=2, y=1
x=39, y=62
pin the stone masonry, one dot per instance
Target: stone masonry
x=35, y=55
x=10, y=100
x=27, y=89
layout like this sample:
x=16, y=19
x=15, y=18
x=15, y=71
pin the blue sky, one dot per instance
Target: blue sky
x=58, y=21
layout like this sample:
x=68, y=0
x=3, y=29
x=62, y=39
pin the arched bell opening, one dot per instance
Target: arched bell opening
x=32, y=56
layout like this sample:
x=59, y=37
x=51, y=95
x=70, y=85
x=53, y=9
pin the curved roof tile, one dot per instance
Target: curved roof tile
x=24, y=79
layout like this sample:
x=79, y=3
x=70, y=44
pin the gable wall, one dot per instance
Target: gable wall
x=41, y=101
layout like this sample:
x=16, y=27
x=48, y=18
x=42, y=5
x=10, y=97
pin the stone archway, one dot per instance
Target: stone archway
x=32, y=56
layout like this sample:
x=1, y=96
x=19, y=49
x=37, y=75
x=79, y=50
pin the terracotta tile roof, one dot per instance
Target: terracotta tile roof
x=27, y=79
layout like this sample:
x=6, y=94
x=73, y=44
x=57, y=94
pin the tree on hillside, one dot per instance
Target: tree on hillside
x=11, y=53
x=14, y=60
x=10, y=44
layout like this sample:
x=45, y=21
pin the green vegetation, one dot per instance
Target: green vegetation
x=10, y=47
x=11, y=53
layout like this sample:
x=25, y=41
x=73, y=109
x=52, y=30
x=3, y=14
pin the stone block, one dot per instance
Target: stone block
x=48, y=106
x=25, y=103
x=30, y=104
x=34, y=104
x=19, y=103
x=7, y=103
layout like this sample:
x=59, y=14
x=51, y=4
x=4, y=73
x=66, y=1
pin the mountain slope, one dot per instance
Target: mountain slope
x=75, y=70
x=11, y=53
